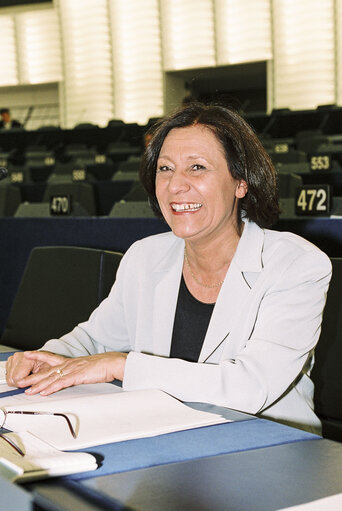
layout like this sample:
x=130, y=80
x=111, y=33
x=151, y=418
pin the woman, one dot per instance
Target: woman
x=221, y=309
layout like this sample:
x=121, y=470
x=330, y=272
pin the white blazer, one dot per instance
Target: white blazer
x=258, y=350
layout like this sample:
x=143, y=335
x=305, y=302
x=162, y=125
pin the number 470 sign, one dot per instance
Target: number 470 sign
x=313, y=200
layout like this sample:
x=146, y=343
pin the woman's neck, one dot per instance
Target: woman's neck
x=206, y=265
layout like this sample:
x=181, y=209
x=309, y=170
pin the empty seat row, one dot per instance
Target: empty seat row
x=66, y=197
x=78, y=170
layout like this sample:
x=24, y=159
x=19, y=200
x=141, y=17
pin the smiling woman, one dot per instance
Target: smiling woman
x=221, y=309
x=198, y=198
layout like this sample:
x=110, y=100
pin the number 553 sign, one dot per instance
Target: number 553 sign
x=313, y=200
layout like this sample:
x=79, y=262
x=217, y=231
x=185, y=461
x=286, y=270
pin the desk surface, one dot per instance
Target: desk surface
x=247, y=464
x=260, y=480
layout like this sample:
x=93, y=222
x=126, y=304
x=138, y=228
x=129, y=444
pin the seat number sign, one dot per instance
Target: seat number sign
x=60, y=205
x=320, y=162
x=312, y=200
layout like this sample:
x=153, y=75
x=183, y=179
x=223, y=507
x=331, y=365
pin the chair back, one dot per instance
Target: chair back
x=60, y=287
x=327, y=371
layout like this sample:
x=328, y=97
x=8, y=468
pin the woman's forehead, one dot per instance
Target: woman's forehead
x=195, y=137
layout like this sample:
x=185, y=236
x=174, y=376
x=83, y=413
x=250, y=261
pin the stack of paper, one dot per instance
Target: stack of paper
x=102, y=413
x=2, y=372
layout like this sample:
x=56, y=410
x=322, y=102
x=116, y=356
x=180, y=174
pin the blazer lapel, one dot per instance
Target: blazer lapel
x=243, y=272
x=233, y=294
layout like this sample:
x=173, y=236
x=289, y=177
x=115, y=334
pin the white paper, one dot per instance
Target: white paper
x=102, y=414
x=331, y=503
x=2, y=372
x=41, y=459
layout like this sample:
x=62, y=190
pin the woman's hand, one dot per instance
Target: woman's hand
x=57, y=372
x=18, y=366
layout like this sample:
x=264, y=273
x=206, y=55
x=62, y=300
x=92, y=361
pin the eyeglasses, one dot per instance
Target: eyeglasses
x=3, y=417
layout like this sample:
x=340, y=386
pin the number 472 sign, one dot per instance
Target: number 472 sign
x=313, y=200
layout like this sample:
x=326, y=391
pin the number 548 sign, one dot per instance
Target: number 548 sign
x=313, y=200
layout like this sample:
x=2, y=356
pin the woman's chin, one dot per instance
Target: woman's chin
x=185, y=233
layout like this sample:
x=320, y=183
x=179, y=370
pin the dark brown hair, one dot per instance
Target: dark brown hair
x=245, y=155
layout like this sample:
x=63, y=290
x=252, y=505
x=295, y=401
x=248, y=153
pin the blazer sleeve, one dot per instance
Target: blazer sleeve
x=286, y=330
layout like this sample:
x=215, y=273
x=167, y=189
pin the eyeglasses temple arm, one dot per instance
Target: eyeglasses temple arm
x=27, y=412
x=72, y=431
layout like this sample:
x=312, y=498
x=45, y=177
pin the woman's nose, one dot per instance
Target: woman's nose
x=178, y=182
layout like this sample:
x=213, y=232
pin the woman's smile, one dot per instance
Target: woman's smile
x=179, y=208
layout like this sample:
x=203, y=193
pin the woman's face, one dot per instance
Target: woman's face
x=195, y=190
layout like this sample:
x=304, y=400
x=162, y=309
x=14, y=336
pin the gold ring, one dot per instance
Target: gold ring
x=59, y=372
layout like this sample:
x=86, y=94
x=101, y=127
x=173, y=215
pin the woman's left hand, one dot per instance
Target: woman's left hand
x=60, y=372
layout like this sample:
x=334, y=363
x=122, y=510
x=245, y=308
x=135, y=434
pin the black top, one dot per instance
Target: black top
x=190, y=326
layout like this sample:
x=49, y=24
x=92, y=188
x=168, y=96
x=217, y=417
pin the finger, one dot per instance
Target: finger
x=37, y=376
x=44, y=356
x=52, y=383
x=17, y=368
x=39, y=367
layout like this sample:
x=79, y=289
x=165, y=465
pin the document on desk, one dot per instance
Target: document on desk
x=40, y=459
x=2, y=373
x=102, y=413
x=331, y=503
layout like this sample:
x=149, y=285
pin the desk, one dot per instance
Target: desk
x=258, y=480
x=250, y=464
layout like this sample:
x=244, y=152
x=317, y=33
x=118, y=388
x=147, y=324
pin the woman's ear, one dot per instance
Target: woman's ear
x=241, y=189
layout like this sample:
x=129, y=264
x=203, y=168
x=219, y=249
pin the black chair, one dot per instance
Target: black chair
x=60, y=287
x=327, y=371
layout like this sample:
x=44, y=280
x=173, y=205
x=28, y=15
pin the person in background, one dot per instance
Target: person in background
x=6, y=121
x=221, y=309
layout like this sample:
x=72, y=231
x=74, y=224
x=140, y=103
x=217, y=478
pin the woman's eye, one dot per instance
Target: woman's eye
x=163, y=168
x=197, y=166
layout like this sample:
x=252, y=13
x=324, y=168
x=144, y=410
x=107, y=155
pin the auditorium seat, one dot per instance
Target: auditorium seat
x=131, y=209
x=43, y=209
x=107, y=193
x=287, y=208
x=126, y=176
x=60, y=287
x=292, y=156
x=4, y=157
x=10, y=198
x=132, y=164
x=70, y=172
x=100, y=171
x=136, y=194
x=19, y=173
x=79, y=192
x=309, y=140
x=38, y=152
x=78, y=151
x=287, y=184
x=302, y=167
x=120, y=151
x=279, y=145
x=259, y=121
x=85, y=126
x=326, y=373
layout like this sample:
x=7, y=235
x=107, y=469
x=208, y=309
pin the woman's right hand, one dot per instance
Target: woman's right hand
x=18, y=367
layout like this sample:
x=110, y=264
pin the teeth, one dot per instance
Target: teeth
x=186, y=207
